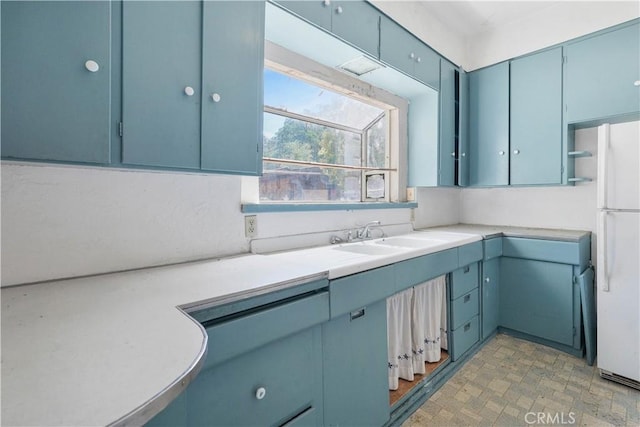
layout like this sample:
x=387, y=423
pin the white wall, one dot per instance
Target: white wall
x=71, y=221
x=561, y=22
x=65, y=221
x=437, y=206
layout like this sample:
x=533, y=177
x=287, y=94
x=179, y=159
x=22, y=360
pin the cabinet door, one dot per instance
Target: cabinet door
x=232, y=70
x=601, y=72
x=53, y=106
x=355, y=367
x=358, y=23
x=536, y=118
x=316, y=11
x=396, y=46
x=161, y=58
x=489, y=126
x=426, y=65
x=288, y=371
x=490, y=296
x=463, y=129
x=447, y=134
x=536, y=297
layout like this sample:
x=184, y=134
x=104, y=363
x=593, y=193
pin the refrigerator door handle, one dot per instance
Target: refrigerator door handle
x=603, y=278
x=603, y=150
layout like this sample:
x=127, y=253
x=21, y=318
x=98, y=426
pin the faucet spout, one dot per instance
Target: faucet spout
x=365, y=232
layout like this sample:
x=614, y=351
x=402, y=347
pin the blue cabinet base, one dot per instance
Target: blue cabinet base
x=565, y=348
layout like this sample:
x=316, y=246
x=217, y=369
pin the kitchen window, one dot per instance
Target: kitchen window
x=321, y=145
x=323, y=142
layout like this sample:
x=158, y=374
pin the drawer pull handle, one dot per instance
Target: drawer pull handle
x=466, y=269
x=467, y=326
x=357, y=314
x=467, y=298
x=261, y=392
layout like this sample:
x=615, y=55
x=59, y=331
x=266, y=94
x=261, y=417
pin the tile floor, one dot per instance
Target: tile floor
x=509, y=381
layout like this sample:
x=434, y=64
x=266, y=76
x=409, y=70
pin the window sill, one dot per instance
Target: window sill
x=304, y=207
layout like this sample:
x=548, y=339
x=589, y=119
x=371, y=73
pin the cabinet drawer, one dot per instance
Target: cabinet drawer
x=356, y=291
x=469, y=253
x=464, y=308
x=464, y=280
x=542, y=250
x=492, y=248
x=242, y=334
x=280, y=382
x=418, y=270
x=464, y=337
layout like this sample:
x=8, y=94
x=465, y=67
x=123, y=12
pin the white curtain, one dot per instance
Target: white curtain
x=416, y=329
x=426, y=322
x=399, y=337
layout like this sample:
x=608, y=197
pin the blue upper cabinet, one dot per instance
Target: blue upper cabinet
x=489, y=126
x=603, y=75
x=356, y=22
x=316, y=11
x=56, y=81
x=402, y=50
x=162, y=49
x=463, y=129
x=536, y=118
x=192, y=85
x=447, y=134
x=232, y=93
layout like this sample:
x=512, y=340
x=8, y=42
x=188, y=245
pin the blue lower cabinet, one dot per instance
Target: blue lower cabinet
x=275, y=384
x=464, y=337
x=173, y=415
x=537, y=298
x=464, y=280
x=355, y=367
x=490, y=290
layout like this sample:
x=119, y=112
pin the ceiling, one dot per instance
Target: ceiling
x=469, y=17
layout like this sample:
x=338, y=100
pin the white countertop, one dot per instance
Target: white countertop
x=106, y=349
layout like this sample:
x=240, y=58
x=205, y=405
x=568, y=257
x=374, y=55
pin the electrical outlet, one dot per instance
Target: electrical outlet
x=250, y=225
x=411, y=194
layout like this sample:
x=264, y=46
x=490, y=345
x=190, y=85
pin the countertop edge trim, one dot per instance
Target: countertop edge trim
x=163, y=398
x=242, y=295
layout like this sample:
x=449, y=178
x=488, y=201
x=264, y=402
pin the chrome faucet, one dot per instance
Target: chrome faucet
x=365, y=232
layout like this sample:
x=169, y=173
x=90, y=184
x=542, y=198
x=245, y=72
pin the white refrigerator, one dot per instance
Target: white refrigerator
x=618, y=252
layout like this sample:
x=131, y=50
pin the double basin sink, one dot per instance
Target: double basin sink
x=424, y=242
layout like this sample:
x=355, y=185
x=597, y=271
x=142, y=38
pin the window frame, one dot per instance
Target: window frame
x=300, y=67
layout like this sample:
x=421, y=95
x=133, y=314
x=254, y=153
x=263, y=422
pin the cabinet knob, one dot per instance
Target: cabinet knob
x=261, y=392
x=339, y=10
x=326, y=3
x=516, y=151
x=418, y=59
x=453, y=154
x=412, y=55
x=464, y=154
x=501, y=153
x=487, y=280
x=189, y=91
x=636, y=83
x=215, y=97
x=91, y=66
